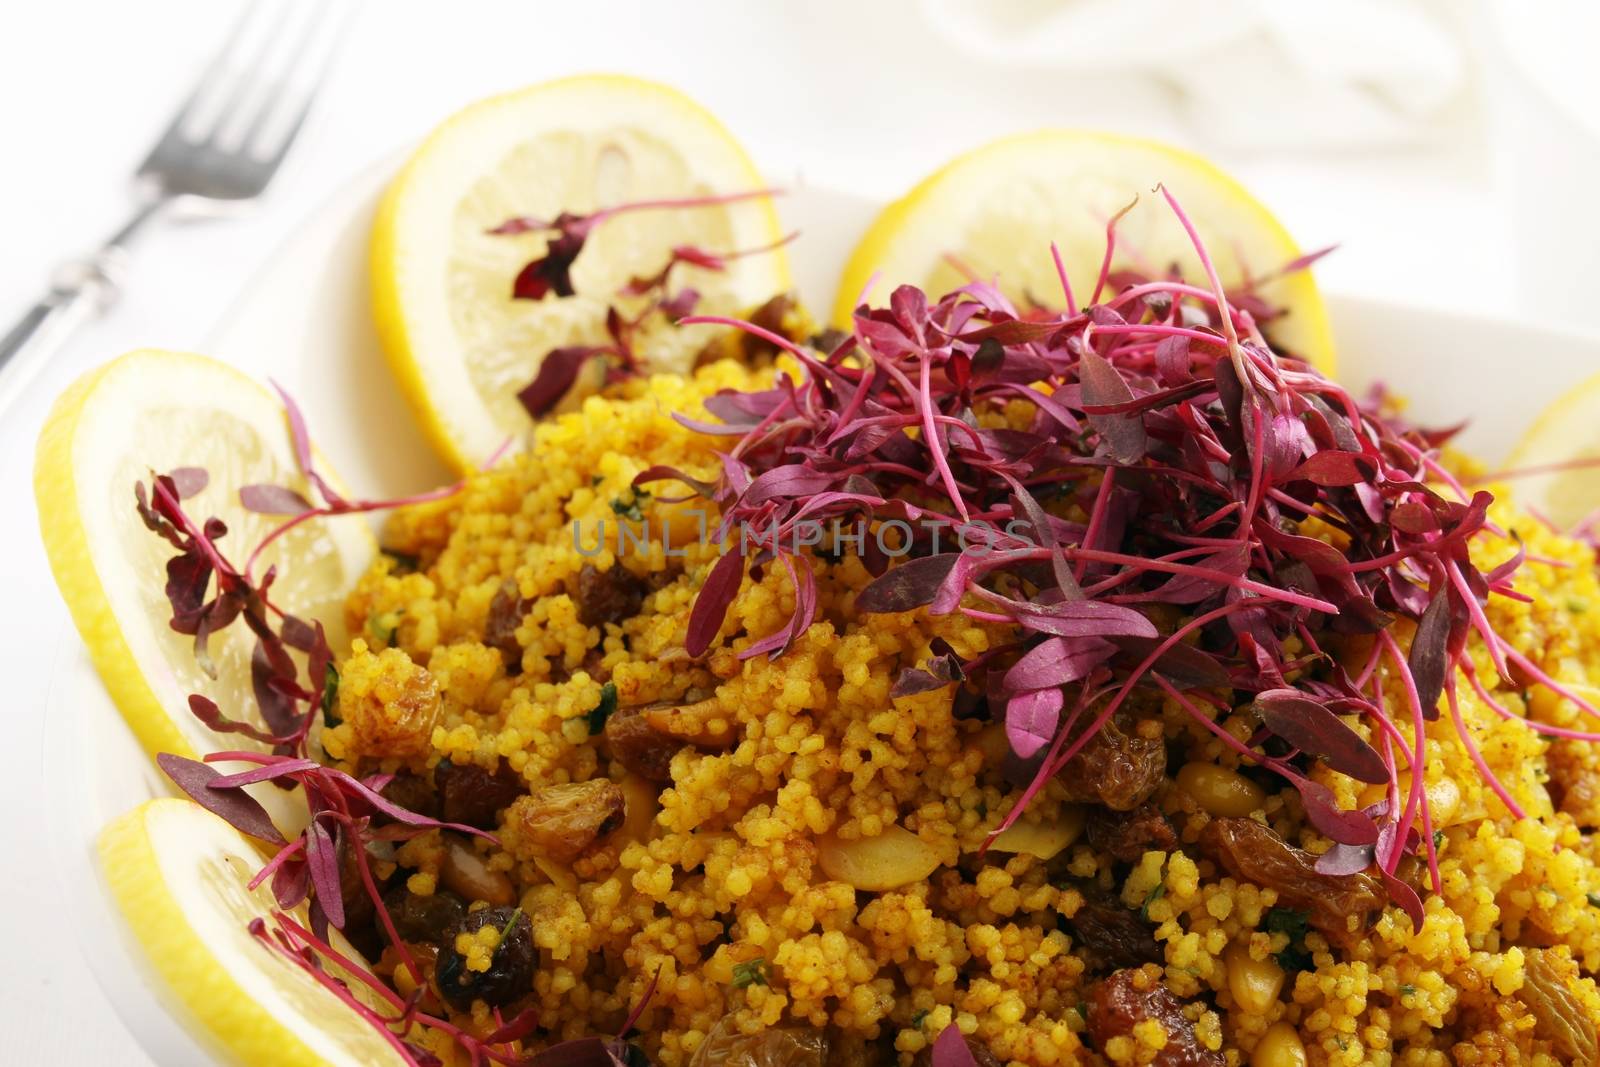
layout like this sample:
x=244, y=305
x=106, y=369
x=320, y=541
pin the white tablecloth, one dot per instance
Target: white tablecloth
x=861, y=95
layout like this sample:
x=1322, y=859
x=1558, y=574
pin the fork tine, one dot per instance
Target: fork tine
x=205, y=85
x=294, y=114
x=248, y=74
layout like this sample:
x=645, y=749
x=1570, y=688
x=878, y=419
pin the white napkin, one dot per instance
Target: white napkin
x=1246, y=73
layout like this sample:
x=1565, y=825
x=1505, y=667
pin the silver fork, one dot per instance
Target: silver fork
x=222, y=148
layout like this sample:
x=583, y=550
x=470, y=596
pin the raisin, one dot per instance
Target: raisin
x=472, y=796
x=1130, y=997
x=1253, y=852
x=500, y=627
x=770, y=317
x=1114, y=936
x=1117, y=767
x=1126, y=836
x=423, y=920
x=1558, y=1015
x=412, y=792
x=640, y=747
x=780, y=1046
x=562, y=821
x=608, y=596
x=358, y=907
x=511, y=969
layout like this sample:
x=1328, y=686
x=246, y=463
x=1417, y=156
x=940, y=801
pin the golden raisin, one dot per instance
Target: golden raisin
x=561, y=821
x=389, y=703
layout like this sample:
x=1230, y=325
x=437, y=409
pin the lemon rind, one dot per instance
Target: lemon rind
x=879, y=236
x=397, y=334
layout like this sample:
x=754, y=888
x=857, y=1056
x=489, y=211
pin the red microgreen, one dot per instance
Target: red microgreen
x=551, y=274
x=1198, y=454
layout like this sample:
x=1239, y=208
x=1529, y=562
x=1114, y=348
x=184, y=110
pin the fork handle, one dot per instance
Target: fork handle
x=79, y=289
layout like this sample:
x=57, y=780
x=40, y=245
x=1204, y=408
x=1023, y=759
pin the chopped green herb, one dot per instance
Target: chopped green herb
x=1577, y=605
x=918, y=1019
x=1154, y=895
x=630, y=510
x=1438, y=839
x=383, y=626
x=402, y=562
x=1294, y=924
x=602, y=711
x=1594, y=899
x=749, y=974
x=505, y=931
x=1407, y=990
x=330, y=697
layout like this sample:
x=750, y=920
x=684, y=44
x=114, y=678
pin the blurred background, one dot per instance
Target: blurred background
x=1451, y=148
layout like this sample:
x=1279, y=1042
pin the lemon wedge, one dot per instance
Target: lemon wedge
x=179, y=874
x=994, y=211
x=150, y=411
x=1561, y=450
x=458, y=343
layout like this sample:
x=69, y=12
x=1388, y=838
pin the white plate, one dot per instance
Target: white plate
x=304, y=322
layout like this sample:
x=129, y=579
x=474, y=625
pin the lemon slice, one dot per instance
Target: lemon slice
x=156, y=411
x=1561, y=451
x=179, y=874
x=996, y=209
x=460, y=346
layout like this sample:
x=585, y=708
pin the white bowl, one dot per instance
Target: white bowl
x=304, y=322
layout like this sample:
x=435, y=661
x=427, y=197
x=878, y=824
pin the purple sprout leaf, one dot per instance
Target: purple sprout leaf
x=206, y=710
x=268, y=664
x=557, y=373
x=1332, y=468
x=1312, y=728
x=1056, y=661
x=268, y=772
x=1428, y=659
x=711, y=605
x=1405, y=897
x=913, y=584
x=266, y=499
x=234, y=806
x=188, y=481
x=519, y=224
x=322, y=859
x=1325, y=815
x=552, y=272
x=1185, y=666
x=291, y=883
x=1344, y=859
x=944, y=668
x=950, y=1049
x=1085, y=618
x=664, y=473
x=1104, y=386
x=789, y=480
x=1031, y=720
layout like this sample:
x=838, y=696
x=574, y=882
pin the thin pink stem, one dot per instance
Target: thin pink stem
x=603, y=214
x=1066, y=285
x=1211, y=276
x=1549, y=729
x=1545, y=680
x=1111, y=247
x=1416, y=795
x=1472, y=750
